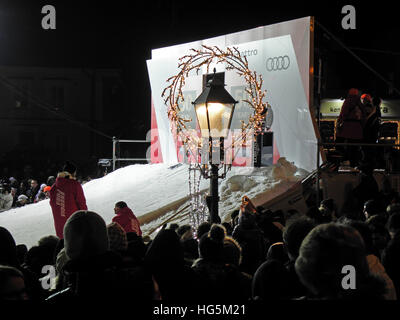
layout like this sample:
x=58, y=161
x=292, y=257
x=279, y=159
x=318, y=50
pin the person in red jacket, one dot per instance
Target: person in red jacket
x=66, y=197
x=126, y=219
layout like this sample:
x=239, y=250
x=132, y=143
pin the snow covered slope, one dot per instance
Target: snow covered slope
x=154, y=192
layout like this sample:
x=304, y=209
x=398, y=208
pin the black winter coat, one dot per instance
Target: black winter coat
x=104, y=277
x=371, y=128
x=222, y=282
x=251, y=239
x=165, y=260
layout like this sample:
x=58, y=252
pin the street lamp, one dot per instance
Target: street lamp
x=214, y=109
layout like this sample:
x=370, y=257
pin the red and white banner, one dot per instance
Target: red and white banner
x=281, y=54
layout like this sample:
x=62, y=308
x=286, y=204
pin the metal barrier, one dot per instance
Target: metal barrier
x=115, y=159
x=322, y=144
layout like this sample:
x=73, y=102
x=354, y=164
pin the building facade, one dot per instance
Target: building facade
x=47, y=113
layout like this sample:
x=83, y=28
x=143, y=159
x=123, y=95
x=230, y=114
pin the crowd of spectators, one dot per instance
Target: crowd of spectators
x=18, y=194
x=254, y=256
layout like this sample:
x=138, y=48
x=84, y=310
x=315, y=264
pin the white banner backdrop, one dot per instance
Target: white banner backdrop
x=281, y=54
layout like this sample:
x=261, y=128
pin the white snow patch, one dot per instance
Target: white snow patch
x=147, y=188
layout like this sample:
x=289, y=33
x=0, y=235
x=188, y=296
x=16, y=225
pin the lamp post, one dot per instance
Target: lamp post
x=214, y=109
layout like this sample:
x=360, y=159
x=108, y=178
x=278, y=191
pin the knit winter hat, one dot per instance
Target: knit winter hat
x=324, y=252
x=22, y=197
x=212, y=243
x=366, y=97
x=277, y=251
x=232, y=252
x=117, y=237
x=85, y=235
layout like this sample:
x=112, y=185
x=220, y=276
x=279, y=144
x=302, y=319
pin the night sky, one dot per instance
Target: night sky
x=121, y=34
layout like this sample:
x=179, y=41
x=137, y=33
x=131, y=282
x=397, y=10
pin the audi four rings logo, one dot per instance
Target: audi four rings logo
x=278, y=63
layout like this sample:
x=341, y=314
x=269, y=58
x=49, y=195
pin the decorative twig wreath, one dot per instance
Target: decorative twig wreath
x=173, y=94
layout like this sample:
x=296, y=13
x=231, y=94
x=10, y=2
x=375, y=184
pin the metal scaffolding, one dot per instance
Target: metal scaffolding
x=114, y=156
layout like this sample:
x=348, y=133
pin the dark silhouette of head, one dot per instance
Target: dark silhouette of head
x=211, y=244
x=324, y=253
x=121, y=204
x=372, y=207
x=85, y=235
x=203, y=228
x=12, y=284
x=294, y=233
x=70, y=168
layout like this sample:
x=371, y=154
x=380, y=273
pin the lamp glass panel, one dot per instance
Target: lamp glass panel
x=219, y=115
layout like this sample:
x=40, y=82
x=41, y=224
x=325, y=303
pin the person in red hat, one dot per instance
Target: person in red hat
x=350, y=126
x=366, y=98
x=46, y=191
x=366, y=101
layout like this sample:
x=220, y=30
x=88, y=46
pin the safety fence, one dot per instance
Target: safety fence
x=114, y=153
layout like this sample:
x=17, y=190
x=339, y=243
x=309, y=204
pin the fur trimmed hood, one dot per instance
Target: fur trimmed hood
x=65, y=174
